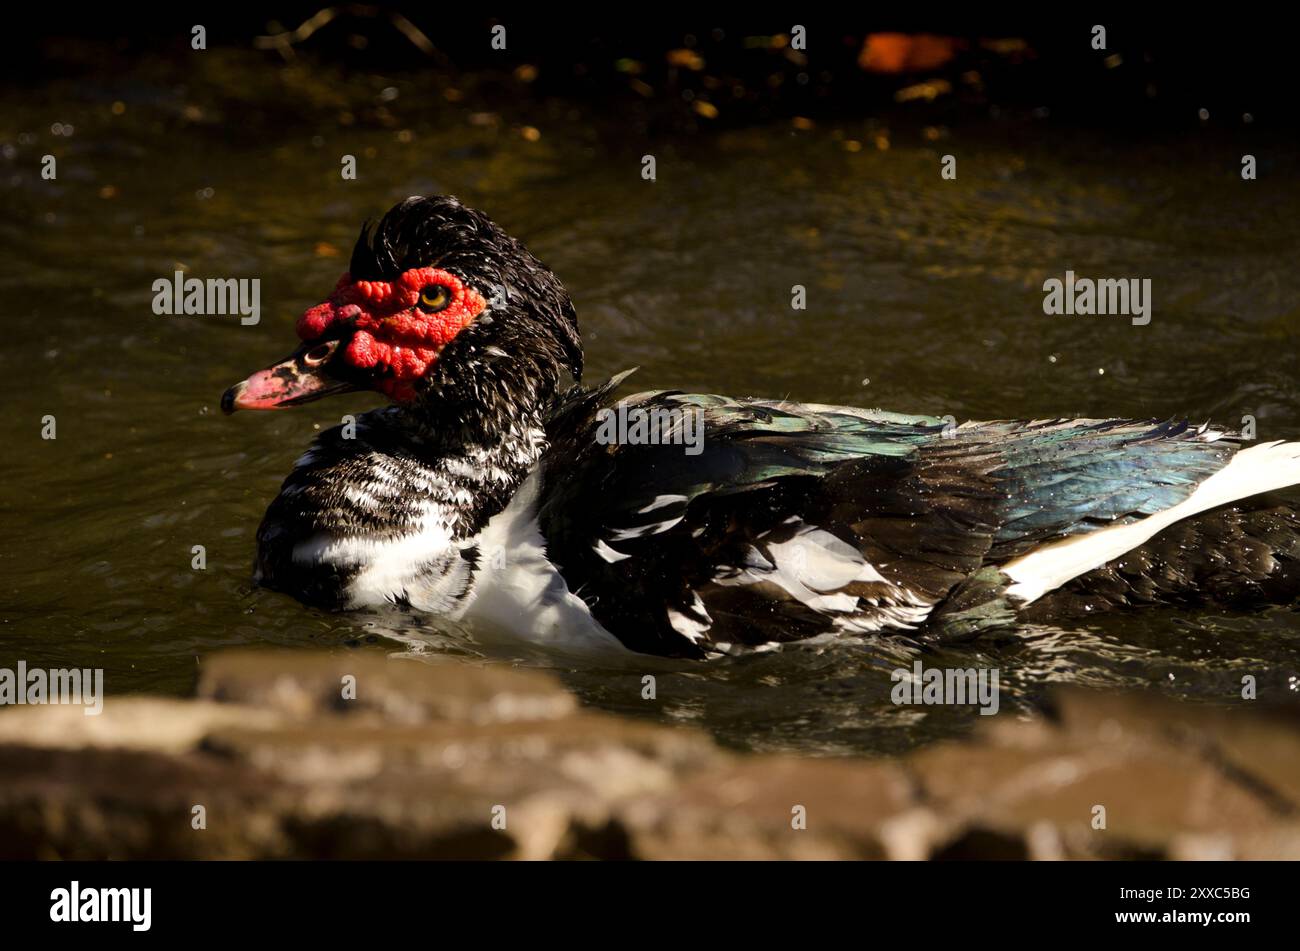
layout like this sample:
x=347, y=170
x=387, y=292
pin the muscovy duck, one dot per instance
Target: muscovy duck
x=485, y=493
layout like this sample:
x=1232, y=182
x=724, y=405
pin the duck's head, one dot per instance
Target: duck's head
x=438, y=304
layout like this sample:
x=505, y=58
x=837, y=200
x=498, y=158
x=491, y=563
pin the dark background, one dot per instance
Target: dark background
x=1175, y=61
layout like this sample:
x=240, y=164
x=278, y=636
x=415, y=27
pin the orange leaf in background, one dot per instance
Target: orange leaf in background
x=903, y=53
x=686, y=58
x=929, y=91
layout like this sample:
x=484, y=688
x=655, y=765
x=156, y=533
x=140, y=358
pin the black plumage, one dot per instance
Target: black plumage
x=791, y=521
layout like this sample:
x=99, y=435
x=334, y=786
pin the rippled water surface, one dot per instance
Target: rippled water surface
x=924, y=296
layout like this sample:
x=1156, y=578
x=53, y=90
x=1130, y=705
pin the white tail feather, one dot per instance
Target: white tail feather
x=1263, y=468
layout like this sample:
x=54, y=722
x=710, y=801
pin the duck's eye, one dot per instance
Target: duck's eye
x=434, y=298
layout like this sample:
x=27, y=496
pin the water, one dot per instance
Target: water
x=924, y=296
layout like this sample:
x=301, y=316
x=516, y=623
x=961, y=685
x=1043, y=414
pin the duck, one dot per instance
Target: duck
x=495, y=488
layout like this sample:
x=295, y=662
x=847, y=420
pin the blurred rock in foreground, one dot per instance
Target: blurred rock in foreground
x=450, y=762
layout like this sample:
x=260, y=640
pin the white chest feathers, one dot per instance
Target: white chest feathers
x=498, y=583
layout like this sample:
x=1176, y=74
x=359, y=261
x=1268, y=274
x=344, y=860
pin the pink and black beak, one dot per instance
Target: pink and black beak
x=299, y=378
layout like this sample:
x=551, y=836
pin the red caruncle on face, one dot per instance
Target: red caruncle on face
x=399, y=327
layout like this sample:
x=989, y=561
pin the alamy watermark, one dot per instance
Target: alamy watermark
x=211, y=298
x=84, y=687
x=1129, y=297
x=77, y=904
x=946, y=686
x=652, y=426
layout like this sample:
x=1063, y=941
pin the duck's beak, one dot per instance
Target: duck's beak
x=299, y=378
